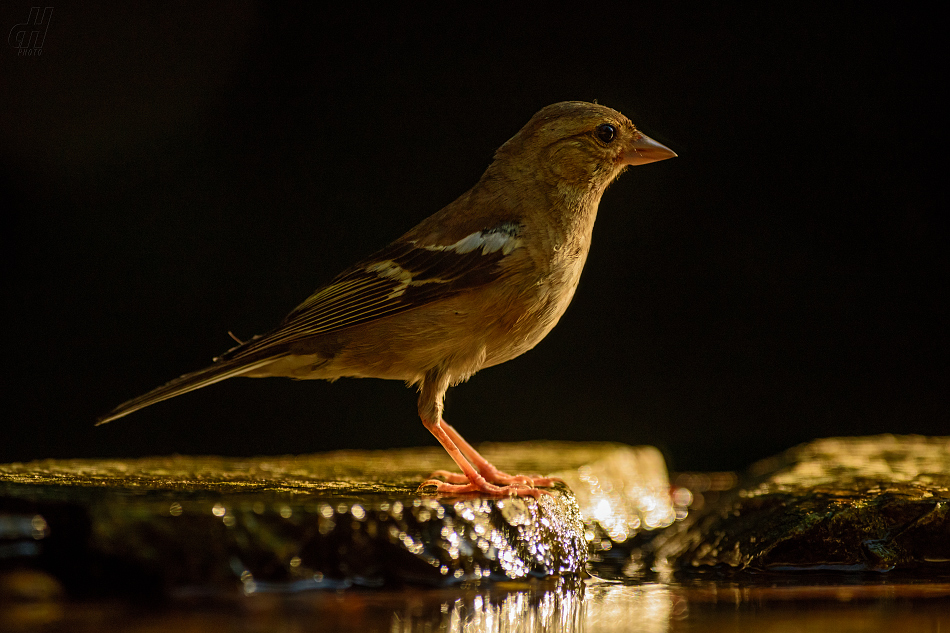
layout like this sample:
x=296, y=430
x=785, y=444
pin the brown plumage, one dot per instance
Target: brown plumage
x=478, y=283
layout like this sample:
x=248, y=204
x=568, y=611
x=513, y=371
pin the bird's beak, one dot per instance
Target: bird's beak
x=645, y=150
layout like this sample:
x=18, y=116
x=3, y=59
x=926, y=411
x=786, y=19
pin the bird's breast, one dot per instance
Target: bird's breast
x=525, y=319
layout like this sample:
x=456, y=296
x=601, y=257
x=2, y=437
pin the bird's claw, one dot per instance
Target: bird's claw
x=489, y=482
x=481, y=488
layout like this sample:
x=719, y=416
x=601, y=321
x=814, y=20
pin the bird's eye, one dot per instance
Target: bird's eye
x=606, y=132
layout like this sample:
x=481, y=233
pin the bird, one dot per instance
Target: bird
x=476, y=284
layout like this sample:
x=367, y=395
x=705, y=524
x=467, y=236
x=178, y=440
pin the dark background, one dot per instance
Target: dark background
x=172, y=172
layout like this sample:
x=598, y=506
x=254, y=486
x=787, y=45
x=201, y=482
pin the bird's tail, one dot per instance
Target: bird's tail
x=221, y=370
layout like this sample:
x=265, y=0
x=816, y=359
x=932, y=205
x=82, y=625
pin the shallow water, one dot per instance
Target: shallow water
x=811, y=603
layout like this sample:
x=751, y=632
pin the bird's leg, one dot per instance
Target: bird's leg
x=430, y=410
x=486, y=469
x=474, y=482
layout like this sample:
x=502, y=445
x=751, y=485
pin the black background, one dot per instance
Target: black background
x=174, y=171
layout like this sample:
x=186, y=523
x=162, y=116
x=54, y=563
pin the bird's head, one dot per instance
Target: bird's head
x=578, y=145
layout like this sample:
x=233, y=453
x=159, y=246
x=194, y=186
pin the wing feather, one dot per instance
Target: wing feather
x=401, y=277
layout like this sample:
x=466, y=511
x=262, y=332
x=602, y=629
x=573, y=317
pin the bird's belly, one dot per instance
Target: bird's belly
x=524, y=335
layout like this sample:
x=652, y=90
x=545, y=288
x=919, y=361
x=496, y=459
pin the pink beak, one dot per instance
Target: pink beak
x=645, y=150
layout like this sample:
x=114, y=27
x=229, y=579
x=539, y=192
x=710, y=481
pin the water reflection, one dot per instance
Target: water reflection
x=813, y=603
x=564, y=607
x=617, y=607
x=819, y=605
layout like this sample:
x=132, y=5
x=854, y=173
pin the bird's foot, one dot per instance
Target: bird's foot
x=495, y=476
x=478, y=475
x=461, y=485
x=490, y=481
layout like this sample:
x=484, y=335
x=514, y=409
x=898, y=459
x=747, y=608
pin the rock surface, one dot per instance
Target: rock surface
x=850, y=504
x=186, y=524
x=287, y=523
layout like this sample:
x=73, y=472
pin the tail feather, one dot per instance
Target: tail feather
x=221, y=370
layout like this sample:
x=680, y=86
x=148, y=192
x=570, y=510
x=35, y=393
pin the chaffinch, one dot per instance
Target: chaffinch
x=474, y=285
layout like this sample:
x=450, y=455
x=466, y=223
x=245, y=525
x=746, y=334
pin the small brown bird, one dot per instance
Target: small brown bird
x=480, y=282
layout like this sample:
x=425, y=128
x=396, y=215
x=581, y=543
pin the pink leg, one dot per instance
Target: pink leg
x=474, y=482
x=487, y=470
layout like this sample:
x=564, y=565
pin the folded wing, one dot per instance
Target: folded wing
x=401, y=277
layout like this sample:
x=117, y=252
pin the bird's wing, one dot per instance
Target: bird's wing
x=403, y=276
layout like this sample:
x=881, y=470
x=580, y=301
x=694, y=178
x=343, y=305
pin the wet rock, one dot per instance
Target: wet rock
x=863, y=503
x=287, y=523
